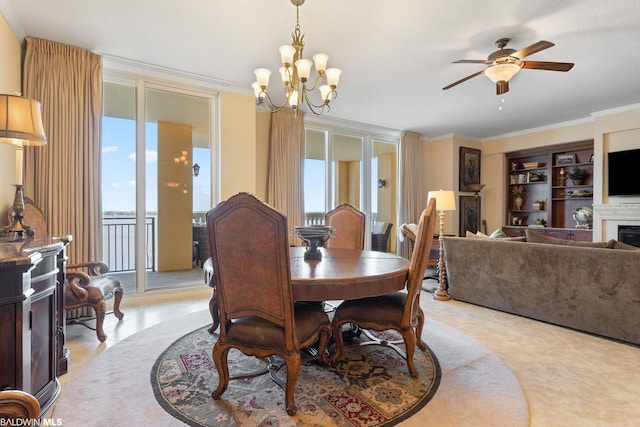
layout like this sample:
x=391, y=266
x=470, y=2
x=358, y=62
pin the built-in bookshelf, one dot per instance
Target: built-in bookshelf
x=550, y=197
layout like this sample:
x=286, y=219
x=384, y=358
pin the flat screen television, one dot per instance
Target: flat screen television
x=621, y=167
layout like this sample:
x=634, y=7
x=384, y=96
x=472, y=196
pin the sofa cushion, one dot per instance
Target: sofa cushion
x=614, y=244
x=534, y=237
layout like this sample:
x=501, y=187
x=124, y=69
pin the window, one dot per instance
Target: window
x=354, y=154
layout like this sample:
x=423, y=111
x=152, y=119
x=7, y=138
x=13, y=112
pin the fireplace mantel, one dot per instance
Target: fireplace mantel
x=613, y=215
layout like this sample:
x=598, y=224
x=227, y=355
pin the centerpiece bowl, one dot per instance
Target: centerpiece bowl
x=315, y=236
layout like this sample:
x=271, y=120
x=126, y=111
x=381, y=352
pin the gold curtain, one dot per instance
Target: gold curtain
x=413, y=194
x=285, y=190
x=63, y=178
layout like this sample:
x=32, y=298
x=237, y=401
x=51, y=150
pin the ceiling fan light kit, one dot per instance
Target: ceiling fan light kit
x=504, y=63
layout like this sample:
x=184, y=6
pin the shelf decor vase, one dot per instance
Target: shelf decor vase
x=518, y=201
x=577, y=181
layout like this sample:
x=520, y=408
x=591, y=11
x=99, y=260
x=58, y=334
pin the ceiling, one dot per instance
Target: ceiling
x=396, y=56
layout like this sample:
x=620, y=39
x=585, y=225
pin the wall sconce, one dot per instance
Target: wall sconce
x=196, y=169
x=476, y=188
x=382, y=183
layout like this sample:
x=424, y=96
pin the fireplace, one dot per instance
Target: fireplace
x=629, y=234
x=607, y=218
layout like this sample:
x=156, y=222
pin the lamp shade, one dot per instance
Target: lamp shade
x=501, y=72
x=445, y=200
x=21, y=121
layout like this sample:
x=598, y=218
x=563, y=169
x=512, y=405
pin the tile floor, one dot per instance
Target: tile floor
x=569, y=378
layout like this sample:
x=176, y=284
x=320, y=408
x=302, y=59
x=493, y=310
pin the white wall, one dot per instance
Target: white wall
x=10, y=52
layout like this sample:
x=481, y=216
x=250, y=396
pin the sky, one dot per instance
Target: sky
x=119, y=168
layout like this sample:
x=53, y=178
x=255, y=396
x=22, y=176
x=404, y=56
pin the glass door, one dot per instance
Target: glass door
x=177, y=184
x=156, y=184
x=384, y=160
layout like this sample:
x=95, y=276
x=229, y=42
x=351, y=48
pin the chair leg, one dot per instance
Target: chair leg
x=339, y=341
x=409, y=337
x=325, y=334
x=421, y=344
x=117, y=297
x=101, y=311
x=220, y=359
x=293, y=368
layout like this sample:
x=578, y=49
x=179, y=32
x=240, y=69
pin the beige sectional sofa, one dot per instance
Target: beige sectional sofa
x=591, y=287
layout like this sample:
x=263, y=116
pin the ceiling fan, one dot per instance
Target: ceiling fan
x=504, y=63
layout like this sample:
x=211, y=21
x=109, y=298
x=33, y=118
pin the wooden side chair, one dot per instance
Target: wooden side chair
x=18, y=405
x=400, y=310
x=348, y=223
x=87, y=283
x=249, y=244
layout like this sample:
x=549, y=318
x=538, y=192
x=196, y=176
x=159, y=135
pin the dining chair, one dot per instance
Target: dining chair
x=348, y=224
x=409, y=231
x=249, y=243
x=399, y=311
x=88, y=284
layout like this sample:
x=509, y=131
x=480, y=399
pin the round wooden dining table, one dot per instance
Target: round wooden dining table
x=346, y=274
x=339, y=275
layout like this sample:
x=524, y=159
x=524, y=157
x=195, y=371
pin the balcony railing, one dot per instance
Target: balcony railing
x=314, y=218
x=119, y=243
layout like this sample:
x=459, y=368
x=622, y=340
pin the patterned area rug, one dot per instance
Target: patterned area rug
x=369, y=386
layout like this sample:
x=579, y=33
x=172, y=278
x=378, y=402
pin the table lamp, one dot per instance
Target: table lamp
x=20, y=125
x=445, y=201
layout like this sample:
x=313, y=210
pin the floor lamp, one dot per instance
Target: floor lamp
x=445, y=201
x=20, y=125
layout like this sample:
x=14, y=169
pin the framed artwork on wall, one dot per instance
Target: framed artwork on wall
x=469, y=168
x=469, y=212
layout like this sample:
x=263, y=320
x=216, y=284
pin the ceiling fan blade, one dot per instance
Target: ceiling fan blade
x=471, y=61
x=551, y=66
x=530, y=50
x=463, y=80
x=502, y=87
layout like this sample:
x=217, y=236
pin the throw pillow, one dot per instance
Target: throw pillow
x=534, y=237
x=498, y=234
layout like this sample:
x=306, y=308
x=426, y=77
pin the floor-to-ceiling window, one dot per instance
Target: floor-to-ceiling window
x=355, y=155
x=157, y=173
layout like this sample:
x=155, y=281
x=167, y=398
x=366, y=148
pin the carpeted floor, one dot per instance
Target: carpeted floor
x=476, y=388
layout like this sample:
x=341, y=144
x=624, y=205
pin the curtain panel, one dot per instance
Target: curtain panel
x=413, y=194
x=63, y=177
x=285, y=190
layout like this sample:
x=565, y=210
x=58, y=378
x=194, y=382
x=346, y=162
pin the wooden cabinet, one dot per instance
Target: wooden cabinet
x=550, y=196
x=31, y=315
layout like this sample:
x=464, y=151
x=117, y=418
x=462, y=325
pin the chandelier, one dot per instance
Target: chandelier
x=295, y=73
